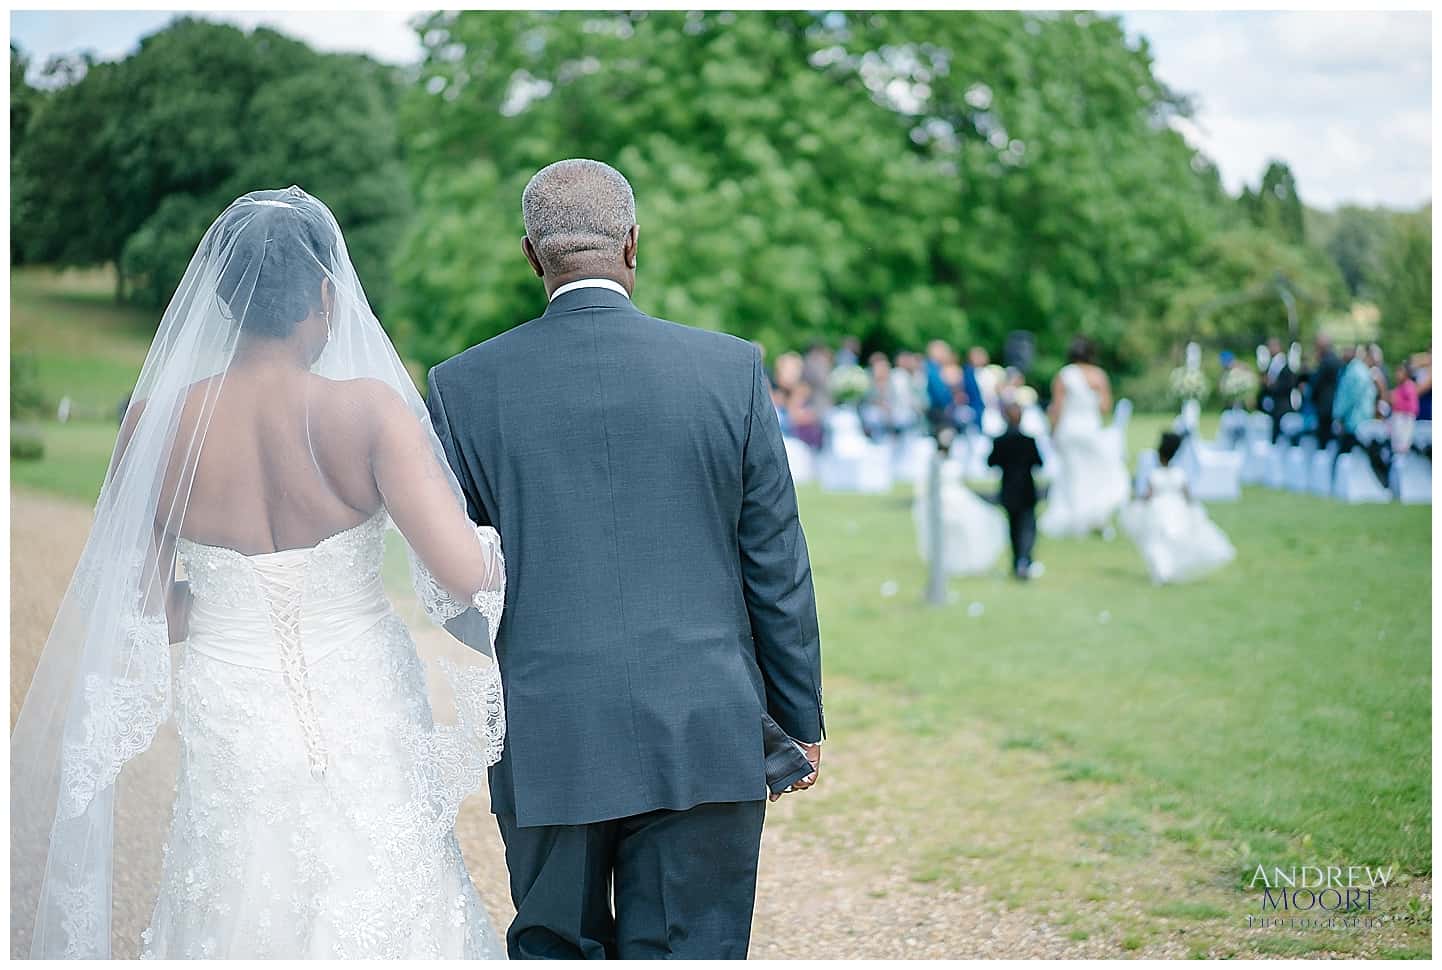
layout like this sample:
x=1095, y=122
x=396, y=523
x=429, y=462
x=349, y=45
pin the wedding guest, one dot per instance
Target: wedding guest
x=878, y=408
x=971, y=381
x=804, y=414
x=1016, y=454
x=787, y=372
x=816, y=372
x=1357, y=402
x=1378, y=372
x=908, y=390
x=958, y=413
x=1277, y=385
x=1324, y=388
x=939, y=396
x=1422, y=373
x=850, y=353
x=1404, y=411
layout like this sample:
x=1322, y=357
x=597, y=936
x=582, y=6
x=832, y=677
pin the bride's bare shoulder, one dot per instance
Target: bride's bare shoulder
x=360, y=398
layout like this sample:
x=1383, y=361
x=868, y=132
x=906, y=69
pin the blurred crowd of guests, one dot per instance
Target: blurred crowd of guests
x=1336, y=390
x=912, y=392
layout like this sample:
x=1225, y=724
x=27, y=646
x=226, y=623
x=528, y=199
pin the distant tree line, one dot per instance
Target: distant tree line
x=800, y=176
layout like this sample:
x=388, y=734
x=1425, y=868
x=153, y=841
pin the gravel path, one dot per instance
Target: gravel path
x=810, y=904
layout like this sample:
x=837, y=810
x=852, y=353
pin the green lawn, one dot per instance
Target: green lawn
x=1287, y=699
x=1055, y=740
x=85, y=346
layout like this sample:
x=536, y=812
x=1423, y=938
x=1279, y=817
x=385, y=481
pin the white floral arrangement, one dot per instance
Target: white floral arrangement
x=1238, y=383
x=1188, y=384
x=848, y=384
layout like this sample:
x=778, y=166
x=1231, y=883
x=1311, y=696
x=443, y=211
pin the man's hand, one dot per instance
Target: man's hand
x=813, y=755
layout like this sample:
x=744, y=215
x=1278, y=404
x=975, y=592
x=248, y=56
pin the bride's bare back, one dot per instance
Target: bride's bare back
x=287, y=459
x=284, y=462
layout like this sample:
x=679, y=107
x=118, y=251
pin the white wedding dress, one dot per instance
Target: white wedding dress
x=316, y=797
x=1176, y=537
x=1091, y=482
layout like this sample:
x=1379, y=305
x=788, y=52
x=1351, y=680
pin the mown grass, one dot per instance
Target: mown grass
x=1287, y=698
x=85, y=345
x=1080, y=740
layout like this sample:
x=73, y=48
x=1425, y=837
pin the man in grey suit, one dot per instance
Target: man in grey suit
x=659, y=598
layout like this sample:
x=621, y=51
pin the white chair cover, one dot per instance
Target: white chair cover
x=1213, y=474
x=1232, y=429
x=1319, y=477
x=1356, y=483
x=850, y=462
x=802, y=460
x=909, y=455
x=1297, y=466
x=1257, y=448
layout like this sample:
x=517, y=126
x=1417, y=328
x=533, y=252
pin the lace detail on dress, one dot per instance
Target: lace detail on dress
x=122, y=714
x=265, y=860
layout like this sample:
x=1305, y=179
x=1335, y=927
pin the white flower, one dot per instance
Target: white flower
x=848, y=384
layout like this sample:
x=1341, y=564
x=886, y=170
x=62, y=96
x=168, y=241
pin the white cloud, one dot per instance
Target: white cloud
x=386, y=35
x=1344, y=98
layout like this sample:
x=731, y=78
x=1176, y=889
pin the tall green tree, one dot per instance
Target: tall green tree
x=1405, y=290
x=1275, y=204
x=24, y=99
x=130, y=162
x=894, y=176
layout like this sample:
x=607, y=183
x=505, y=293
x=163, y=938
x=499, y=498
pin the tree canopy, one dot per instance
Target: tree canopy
x=892, y=176
x=131, y=162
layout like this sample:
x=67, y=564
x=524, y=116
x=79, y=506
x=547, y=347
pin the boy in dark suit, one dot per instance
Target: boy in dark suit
x=1016, y=454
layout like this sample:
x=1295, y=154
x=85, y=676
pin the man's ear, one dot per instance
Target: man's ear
x=628, y=251
x=531, y=257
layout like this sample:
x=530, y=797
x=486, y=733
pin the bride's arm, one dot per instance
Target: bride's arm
x=1058, y=400
x=1104, y=391
x=464, y=561
x=163, y=592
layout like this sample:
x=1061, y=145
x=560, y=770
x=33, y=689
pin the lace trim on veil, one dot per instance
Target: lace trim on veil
x=480, y=706
x=122, y=714
x=442, y=607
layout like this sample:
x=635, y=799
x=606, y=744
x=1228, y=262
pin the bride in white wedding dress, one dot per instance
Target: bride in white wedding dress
x=1091, y=482
x=273, y=438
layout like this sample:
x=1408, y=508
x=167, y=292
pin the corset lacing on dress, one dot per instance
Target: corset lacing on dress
x=282, y=582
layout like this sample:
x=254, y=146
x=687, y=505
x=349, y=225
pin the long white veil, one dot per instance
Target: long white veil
x=270, y=277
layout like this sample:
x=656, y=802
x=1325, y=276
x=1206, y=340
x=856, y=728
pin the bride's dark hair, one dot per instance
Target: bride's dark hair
x=280, y=249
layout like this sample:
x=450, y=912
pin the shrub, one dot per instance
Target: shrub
x=27, y=397
x=26, y=443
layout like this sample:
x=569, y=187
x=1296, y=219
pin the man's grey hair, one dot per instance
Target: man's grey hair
x=577, y=210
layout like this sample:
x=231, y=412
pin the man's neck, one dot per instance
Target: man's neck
x=554, y=284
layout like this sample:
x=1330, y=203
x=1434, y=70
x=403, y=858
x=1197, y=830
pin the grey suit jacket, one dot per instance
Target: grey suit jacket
x=659, y=593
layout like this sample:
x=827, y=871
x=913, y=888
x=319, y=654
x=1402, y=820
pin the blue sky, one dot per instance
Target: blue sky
x=1344, y=98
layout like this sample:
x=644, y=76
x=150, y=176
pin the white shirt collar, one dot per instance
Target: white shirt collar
x=603, y=283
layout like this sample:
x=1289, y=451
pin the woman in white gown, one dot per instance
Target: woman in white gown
x=1091, y=482
x=974, y=531
x=1177, y=539
x=273, y=438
